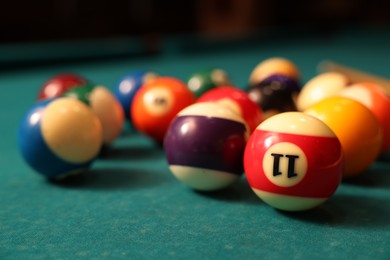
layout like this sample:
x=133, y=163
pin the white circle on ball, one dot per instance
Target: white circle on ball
x=158, y=101
x=195, y=83
x=285, y=164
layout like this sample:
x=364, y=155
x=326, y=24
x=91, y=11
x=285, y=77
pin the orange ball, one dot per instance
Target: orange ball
x=156, y=103
x=372, y=96
x=356, y=127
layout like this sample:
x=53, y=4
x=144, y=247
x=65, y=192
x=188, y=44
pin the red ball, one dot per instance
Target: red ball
x=293, y=161
x=59, y=84
x=238, y=100
x=157, y=103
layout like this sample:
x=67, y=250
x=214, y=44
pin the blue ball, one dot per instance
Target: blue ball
x=36, y=145
x=128, y=85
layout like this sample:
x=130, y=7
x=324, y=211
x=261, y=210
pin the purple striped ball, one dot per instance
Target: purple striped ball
x=204, y=146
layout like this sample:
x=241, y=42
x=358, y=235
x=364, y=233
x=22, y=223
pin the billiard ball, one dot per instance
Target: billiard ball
x=372, y=96
x=81, y=93
x=156, y=103
x=293, y=161
x=320, y=87
x=275, y=94
x=356, y=127
x=238, y=100
x=105, y=106
x=109, y=112
x=59, y=136
x=128, y=85
x=204, y=80
x=57, y=85
x=204, y=146
x=271, y=66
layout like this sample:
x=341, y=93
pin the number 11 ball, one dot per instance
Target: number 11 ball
x=293, y=161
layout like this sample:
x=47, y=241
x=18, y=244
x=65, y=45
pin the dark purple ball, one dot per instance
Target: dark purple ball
x=204, y=150
x=275, y=93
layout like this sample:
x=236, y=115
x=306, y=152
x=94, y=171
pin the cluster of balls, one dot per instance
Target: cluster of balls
x=337, y=129
x=72, y=120
x=202, y=124
x=295, y=143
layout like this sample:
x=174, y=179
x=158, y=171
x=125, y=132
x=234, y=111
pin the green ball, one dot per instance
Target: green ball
x=81, y=93
x=204, y=80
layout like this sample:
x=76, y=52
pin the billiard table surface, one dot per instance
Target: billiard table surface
x=130, y=206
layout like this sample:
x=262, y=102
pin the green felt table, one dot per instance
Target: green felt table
x=130, y=206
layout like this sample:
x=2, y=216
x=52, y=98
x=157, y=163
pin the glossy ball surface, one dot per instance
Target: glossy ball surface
x=157, y=103
x=275, y=94
x=372, y=96
x=59, y=136
x=356, y=127
x=320, y=87
x=109, y=111
x=128, y=85
x=106, y=107
x=293, y=161
x=271, y=66
x=204, y=146
x=57, y=85
x=207, y=79
x=237, y=100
